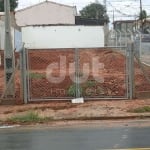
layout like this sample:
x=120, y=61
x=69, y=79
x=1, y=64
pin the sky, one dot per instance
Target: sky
x=122, y=9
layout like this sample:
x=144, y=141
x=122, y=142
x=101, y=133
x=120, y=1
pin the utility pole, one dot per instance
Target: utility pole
x=141, y=15
x=113, y=16
x=106, y=31
x=105, y=4
x=8, y=54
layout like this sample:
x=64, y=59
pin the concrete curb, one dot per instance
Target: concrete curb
x=105, y=118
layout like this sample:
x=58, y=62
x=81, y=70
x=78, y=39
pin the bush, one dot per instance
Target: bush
x=72, y=90
x=28, y=117
x=141, y=109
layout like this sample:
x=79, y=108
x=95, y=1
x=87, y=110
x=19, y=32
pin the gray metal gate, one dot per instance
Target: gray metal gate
x=63, y=74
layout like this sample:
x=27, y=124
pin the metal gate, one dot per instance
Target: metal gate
x=63, y=74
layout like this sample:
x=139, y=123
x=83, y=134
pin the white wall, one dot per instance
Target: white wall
x=2, y=35
x=47, y=37
x=46, y=13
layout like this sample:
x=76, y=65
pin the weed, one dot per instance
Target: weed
x=90, y=83
x=141, y=109
x=27, y=118
x=36, y=76
x=72, y=90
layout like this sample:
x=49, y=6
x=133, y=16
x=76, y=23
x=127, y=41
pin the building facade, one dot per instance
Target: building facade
x=46, y=13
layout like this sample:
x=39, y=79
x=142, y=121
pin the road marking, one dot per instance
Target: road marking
x=128, y=149
x=6, y=127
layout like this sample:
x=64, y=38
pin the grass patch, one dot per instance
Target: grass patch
x=29, y=117
x=36, y=76
x=72, y=90
x=90, y=83
x=141, y=109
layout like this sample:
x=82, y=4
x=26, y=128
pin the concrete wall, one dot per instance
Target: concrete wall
x=47, y=37
x=46, y=13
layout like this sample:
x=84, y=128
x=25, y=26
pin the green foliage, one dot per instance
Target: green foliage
x=90, y=83
x=36, y=76
x=141, y=109
x=94, y=11
x=72, y=90
x=143, y=15
x=13, y=5
x=28, y=117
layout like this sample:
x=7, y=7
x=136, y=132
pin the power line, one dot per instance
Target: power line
x=117, y=10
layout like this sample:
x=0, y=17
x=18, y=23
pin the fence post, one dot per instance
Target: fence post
x=77, y=74
x=23, y=67
x=140, y=43
x=131, y=73
x=116, y=34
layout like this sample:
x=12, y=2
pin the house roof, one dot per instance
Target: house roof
x=124, y=21
x=43, y=3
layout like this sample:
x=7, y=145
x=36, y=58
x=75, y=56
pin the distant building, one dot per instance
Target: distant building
x=124, y=25
x=46, y=13
x=145, y=23
x=132, y=25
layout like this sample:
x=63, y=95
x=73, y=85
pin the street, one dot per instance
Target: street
x=87, y=137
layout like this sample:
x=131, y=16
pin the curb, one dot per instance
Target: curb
x=104, y=118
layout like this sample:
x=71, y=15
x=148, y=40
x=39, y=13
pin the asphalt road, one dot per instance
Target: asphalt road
x=75, y=138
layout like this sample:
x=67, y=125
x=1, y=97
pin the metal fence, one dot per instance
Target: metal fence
x=93, y=73
x=16, y=77
x=62, y=74
x=122, y=38
x=119, y=38
x=141, y=52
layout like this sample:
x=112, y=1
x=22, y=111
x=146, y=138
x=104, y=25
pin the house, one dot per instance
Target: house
x=46, y=13
x=145, y=23
x=124, y=25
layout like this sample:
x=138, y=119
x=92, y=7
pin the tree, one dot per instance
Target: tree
x=13, y=5
x=143, y=15
x=94, y=11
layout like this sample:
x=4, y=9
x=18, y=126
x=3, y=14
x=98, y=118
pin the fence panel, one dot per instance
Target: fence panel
x=50, y=74
x=142, y=69
x=61, y=74
x=103, y=73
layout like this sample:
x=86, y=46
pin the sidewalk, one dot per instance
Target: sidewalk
x=90, y=110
